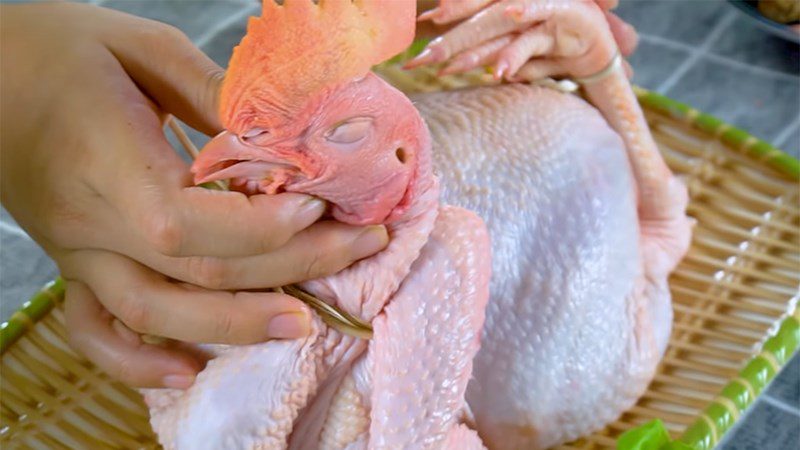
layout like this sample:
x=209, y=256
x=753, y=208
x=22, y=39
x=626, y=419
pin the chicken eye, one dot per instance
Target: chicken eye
x=256, y=136
x=349, y=132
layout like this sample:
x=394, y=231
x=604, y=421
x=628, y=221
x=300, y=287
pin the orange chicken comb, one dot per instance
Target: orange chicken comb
x=297, y=49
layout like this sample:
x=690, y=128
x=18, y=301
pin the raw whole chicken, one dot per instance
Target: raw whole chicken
x=586, y=222
x=307, y=116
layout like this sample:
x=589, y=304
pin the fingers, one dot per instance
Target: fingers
x=149, y=194
x=483, y=55
x=488, y=24
x=452, y=10
x=152, y=192
x=624, y=34
x=321, y=250
x=117, y=350
x=533, y=42
x=148, y=303
x=196, y=221
x=179, y=77
x=538, y=69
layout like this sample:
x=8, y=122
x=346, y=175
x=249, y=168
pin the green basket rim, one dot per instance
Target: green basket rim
x=736, y=138
x=730, y=404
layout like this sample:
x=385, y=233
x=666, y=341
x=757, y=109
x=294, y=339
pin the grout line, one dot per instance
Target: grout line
x=783, y=406
x=756, y=70
x=223, y=24
x=653, y=39
x=782, y=137
x=14, y=230
x=697, y=53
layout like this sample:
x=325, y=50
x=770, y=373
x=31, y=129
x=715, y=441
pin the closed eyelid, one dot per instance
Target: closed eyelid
x=350, y=130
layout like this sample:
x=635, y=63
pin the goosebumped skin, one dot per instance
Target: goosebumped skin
x=579, y=313
x=334, y=391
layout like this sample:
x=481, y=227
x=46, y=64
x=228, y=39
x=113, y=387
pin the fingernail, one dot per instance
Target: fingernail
x=178, y=381
x=312, y=209
x=500, y=70
x=424, y=57
x=431, y=13
x=370, y=241
x=290, y=325
x=430, y=55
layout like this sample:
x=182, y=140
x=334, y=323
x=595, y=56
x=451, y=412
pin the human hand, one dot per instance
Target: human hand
x=506, y=34
x=87, y=171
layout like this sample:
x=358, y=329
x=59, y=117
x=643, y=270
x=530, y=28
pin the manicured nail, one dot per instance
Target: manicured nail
x=290, y=325
x=370, y=241
x=178, y=381
x=425, y=57
x=432, y=54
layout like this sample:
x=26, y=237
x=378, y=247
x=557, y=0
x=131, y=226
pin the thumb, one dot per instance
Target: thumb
x=166, y=66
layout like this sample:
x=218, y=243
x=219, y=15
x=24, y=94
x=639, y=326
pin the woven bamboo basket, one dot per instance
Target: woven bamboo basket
x=733, y=297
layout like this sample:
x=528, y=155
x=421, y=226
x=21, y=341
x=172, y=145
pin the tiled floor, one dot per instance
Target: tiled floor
x=701, y=52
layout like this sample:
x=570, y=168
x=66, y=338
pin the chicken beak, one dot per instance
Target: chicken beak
x=226, y=156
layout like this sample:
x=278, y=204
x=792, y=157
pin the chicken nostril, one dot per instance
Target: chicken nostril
x=401, y=155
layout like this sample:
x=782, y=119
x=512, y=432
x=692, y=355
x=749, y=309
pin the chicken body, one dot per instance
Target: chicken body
x=578, y=317
x=425, y=296
x=577, y=320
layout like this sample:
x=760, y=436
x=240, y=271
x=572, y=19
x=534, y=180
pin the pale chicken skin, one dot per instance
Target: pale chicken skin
x=576, y=323
x=586, y=219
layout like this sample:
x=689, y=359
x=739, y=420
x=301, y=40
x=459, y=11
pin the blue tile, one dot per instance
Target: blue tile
x=25, y=268
x=220, y=47
x=198, y=139
x=6, y=217
x=194, y=17
x=764, y=427
x=759, y=104
x=687, y=21
x=745, y=42
x=653, y=63
x=786, y=386
x=791, y=144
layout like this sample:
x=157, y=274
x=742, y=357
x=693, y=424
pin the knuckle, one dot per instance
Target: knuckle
x=164, y=233
x=123, y=369
x=225, y=326
x=156, y=33
x=133, y=312
x=276, y=237
x=208, y=272
x=315, y=267
x=319, y=263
